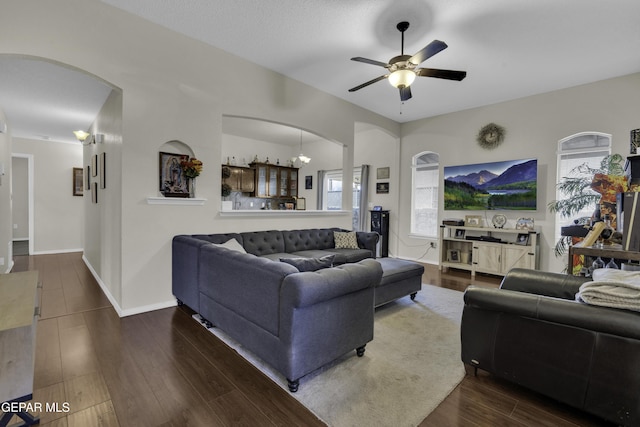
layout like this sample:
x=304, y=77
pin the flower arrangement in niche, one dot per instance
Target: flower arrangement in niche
x=191, y=167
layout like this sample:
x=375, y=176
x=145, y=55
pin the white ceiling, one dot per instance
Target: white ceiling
x=509, y=48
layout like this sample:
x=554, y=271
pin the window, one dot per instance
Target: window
x=573, y=151
x=424, y=198
x=333, y=191
x=332, y=199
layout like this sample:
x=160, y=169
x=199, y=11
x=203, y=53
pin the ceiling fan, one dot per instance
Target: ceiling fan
x=403, y=69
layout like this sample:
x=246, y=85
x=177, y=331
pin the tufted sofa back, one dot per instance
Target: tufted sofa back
x=219, y=238
x=309, y=239
x=261, y=243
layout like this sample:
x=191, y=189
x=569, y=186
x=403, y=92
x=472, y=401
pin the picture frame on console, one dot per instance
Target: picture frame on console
x=522, y=239
x=473, y=221
x=453, y=255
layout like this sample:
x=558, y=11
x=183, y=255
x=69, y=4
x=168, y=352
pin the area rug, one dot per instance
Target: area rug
x=412, y=365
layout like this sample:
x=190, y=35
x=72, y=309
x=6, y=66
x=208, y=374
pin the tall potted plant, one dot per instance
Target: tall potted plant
x=579, y=191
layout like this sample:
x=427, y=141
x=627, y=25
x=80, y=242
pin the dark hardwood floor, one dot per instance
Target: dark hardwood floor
x=162, y=369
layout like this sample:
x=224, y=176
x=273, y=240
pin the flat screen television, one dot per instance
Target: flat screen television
x=506, y=185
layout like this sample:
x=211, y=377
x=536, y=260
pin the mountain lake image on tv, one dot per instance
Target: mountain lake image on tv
x=505, y=185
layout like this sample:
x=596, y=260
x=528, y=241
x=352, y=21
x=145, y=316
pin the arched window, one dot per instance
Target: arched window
x=424, y=196
x=582, y=148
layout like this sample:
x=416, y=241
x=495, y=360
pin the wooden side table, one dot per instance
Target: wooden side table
x=18, y=318
x=610, y=251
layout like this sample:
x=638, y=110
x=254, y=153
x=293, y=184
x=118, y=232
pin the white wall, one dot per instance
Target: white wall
x=534, y=125
x=103, y=228
x=58, y=215
x=6, y=227
x=246, y=148
x=378, y=149
x=20, y=191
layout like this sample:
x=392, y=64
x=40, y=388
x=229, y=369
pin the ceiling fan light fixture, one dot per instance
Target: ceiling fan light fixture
x=402, y=78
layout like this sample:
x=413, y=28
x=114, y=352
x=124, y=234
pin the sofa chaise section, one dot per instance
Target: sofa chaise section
x=295, y=321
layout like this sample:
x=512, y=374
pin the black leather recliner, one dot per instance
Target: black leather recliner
x=532, y=332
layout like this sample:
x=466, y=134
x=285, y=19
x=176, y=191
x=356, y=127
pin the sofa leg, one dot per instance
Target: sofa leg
x=206, y=323
x=475, y=365
x=360, y=351
x=293, y=385
x=180, y=303
x=413, y=296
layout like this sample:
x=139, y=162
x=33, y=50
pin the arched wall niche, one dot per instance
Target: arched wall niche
x=177, y=147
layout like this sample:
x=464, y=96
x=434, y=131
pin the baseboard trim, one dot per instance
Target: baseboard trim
x=114, y=303
x=150, y=307
x=57, y=251
x=104, y=287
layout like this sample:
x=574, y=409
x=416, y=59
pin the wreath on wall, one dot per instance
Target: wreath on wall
x=490, y=136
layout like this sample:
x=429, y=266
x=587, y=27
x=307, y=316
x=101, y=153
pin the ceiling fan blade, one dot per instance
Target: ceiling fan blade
x=428, y=51
x=370, y=82
x=441, y=74
x=405, y=93
x=370, y=61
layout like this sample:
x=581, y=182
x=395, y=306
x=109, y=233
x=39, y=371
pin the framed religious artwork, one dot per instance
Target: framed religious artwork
x=173, y=182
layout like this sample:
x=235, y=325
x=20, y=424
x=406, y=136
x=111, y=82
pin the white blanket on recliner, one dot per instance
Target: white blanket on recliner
x=612, y=288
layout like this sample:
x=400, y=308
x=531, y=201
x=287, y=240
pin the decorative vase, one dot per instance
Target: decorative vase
x=192, y=188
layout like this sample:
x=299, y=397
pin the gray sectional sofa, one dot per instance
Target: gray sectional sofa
x=295, y=321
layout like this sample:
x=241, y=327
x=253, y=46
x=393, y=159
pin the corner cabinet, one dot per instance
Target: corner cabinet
x=275, y=181
x=488, y=250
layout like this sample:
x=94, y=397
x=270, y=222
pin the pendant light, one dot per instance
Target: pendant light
x=301, y=160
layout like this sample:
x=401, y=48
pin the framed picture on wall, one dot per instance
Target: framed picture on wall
x=94, y=165
x=382, y=173
x=78, y=181
x=173, y=183
x=308, y=182
x=382, y=188
x=103, y=170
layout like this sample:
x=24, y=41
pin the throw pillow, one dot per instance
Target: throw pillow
x=231, y=244
x=310, y=264
x=345, y=240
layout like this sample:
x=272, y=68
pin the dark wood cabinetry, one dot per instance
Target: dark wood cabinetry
x=275, y=181
x=241, y=179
